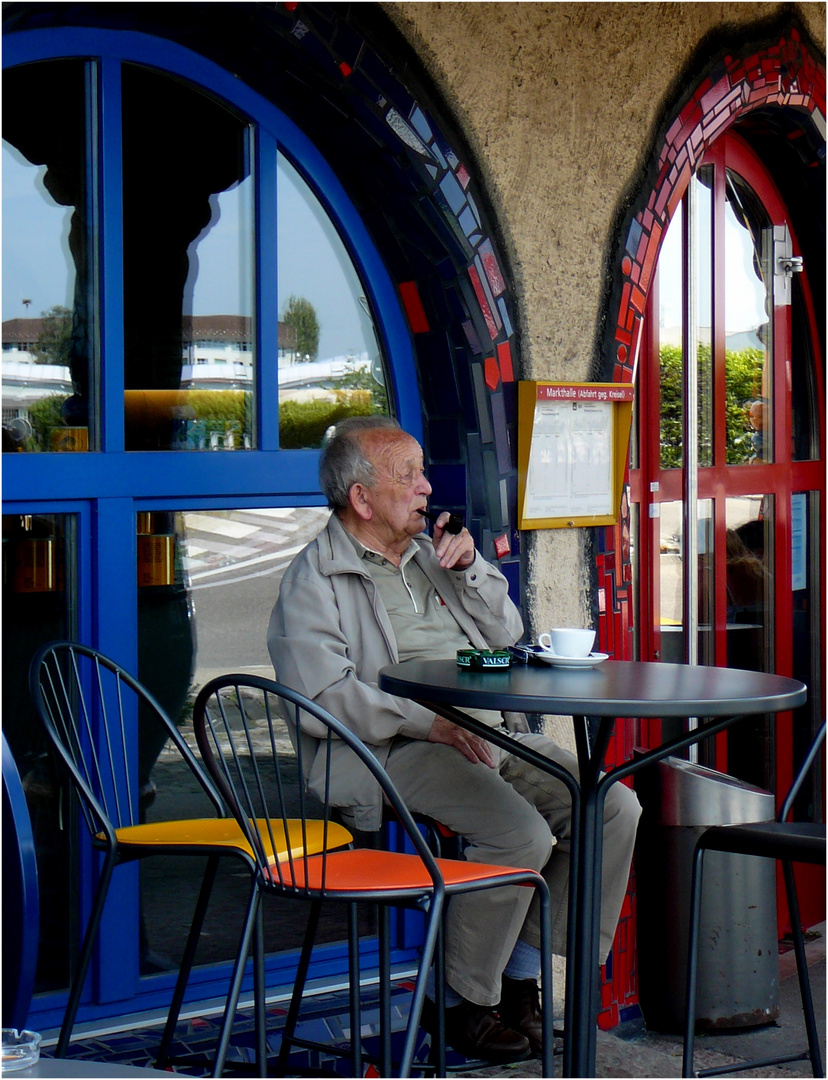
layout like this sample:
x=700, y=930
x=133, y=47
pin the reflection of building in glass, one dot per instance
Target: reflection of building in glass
x=217, y=353
x=24, y=380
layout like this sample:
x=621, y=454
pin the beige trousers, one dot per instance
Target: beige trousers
x=515, y=815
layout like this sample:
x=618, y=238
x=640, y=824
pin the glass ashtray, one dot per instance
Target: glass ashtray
x=20, y=1049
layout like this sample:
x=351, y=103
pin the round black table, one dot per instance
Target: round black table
x=613, y=689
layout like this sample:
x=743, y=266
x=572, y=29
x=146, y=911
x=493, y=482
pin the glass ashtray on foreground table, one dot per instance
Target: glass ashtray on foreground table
x=20, y=1049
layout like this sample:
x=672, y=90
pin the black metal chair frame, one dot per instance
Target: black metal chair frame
x=21, y=905
x=85, y=723
x=786, y=842
x=222, y=749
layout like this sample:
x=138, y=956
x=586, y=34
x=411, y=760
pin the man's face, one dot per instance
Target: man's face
x=401, y=488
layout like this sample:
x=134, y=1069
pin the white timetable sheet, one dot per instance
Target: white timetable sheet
x=570, y=462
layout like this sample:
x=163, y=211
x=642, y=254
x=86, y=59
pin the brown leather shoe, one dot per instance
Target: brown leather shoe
x=520, y=1009
x=476, y=1032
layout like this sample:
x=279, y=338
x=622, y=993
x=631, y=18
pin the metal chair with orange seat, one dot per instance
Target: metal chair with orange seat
x=242, y=758
x=92, y=711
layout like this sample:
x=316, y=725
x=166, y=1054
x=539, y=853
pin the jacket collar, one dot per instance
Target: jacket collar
x=337, y=555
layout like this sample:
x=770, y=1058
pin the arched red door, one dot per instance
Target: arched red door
x=728, y=476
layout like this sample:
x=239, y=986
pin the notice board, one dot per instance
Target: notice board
x=572, y=452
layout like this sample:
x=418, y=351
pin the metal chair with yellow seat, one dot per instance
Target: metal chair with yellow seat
x=94, y=714
x=243, y=757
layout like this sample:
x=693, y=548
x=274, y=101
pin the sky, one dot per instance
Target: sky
x=313, y=263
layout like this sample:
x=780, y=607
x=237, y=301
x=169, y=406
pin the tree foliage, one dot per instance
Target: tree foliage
x=54, y=342
x=743, y=385
x=301, y=314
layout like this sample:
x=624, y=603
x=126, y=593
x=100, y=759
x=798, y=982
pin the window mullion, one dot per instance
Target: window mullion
x=110, y=252
x=267, y=295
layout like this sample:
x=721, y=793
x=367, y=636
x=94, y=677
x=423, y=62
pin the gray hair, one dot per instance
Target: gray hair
x=343, y=462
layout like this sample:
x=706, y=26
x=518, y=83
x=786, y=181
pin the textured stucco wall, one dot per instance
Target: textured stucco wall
x=560, y=103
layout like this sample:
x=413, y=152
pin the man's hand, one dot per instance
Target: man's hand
x=469, y=745
x=455, y=551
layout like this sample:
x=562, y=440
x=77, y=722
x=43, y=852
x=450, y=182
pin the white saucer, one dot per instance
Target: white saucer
x=572, y=661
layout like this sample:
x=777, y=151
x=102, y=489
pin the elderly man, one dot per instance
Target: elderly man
x=371, y=590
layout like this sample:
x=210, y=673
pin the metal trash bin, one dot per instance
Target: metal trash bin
x=738, y=943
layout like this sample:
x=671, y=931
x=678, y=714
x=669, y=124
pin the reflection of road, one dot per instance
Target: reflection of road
x=234, y=562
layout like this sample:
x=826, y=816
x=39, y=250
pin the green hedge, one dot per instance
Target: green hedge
x=302, y=424
x=743, y=375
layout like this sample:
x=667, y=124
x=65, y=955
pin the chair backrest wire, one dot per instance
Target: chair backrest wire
x=221, y=748
x=92, y=710
x=804, y=769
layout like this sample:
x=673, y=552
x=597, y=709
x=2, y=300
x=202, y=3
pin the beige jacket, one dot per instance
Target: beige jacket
x=330, y=634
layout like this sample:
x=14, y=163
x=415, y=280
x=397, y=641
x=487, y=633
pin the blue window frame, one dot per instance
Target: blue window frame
x=106, y=487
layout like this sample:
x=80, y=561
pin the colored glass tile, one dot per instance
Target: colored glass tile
x=410, y=297
x=504, y=315
x=482, y=398
x=406, y=133
x=486, y=311
x=633, y=237
x=455, y=196
x=491, y=268
x=492, y=373
x=502, y=546
x=501, y=434
x=471, y=337
x=473, y=207
x=420, y=124
x=468, y=222
x=476, y=476
x=504, y=359
x=487, y=291
x=438, y=153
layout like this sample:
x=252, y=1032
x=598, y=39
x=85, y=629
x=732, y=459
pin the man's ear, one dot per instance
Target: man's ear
x=359, y=498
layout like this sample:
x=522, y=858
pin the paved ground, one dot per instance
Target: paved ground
x=655, y=1055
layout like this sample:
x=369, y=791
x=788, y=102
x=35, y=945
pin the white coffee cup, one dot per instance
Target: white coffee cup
x=569, y=643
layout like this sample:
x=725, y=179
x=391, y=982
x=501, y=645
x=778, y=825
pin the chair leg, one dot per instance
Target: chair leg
x=85, y=957
x=384, y=933
x=299, y=985
x=355, y=996
x=259, y=994
x=438, y=1050
x=692, y=963
x=814, y=1052
x=234, y=990
x=432, y=930
x=547, y=1001
x=187, y=961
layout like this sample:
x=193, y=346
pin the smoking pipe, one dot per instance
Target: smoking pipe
x=454, y=525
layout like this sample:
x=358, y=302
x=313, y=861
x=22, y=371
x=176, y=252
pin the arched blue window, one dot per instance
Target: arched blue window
x=189, y=300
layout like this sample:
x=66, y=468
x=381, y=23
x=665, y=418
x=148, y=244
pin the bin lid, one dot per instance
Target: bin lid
x=691, y=794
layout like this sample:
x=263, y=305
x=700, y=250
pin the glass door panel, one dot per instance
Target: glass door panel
x=670, y=562
x=701, y=259
x=39, y=605
x=188, y=228
x=330, y=361
x=49, y=270
x=671, y=321
x=750, y=594
x=209, y=616
x=748, y=295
